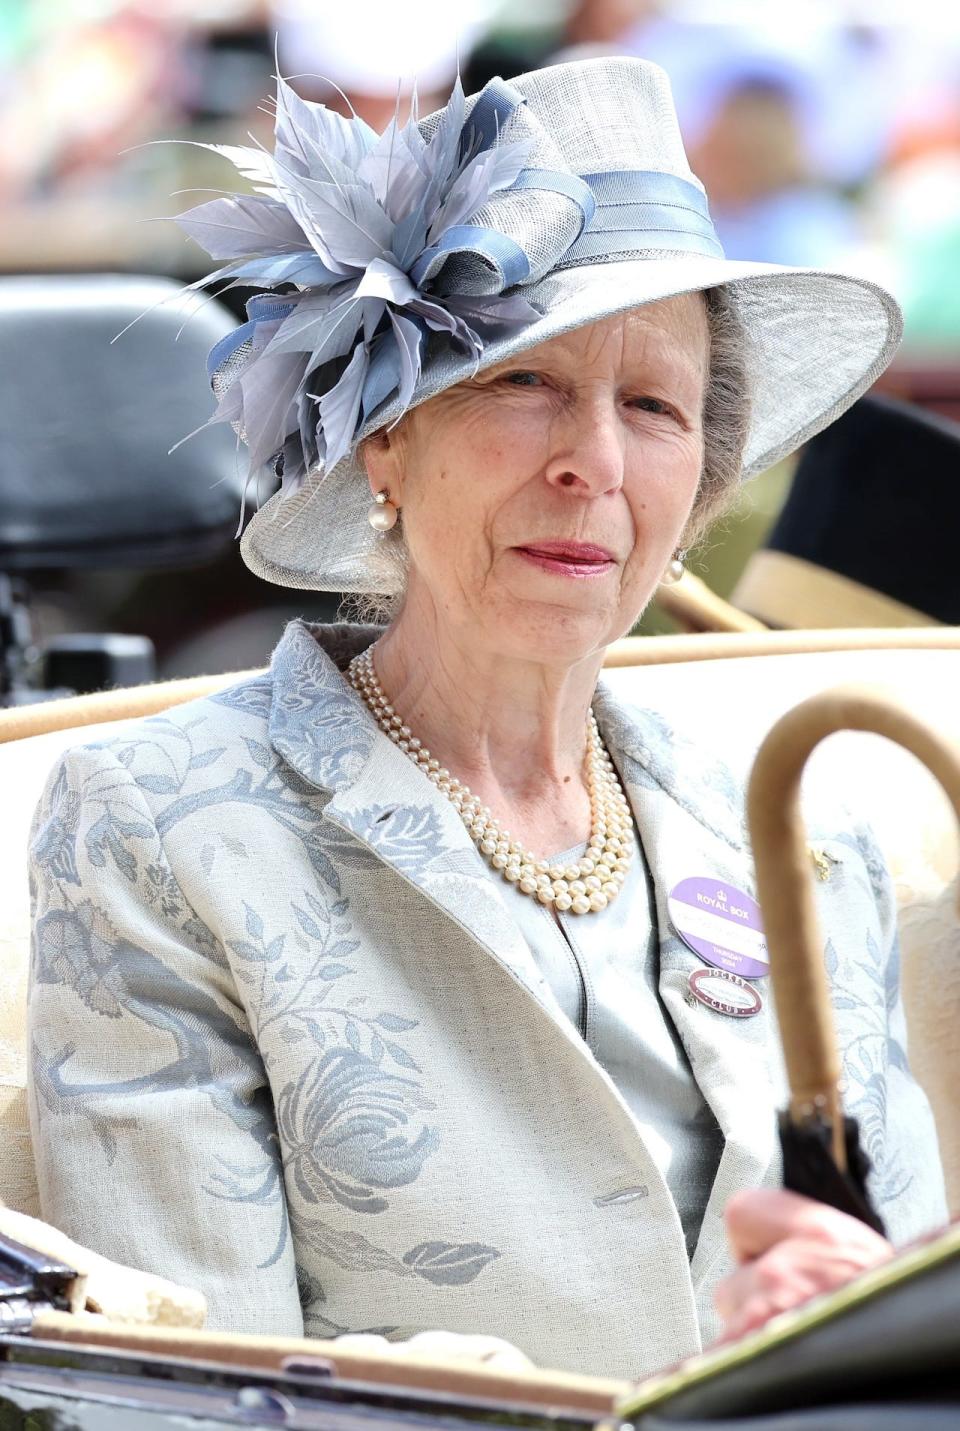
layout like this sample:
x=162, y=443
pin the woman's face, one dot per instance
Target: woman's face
x=543, y=499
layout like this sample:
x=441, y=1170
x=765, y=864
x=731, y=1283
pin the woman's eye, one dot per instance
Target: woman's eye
x=650, y=404
x=523, y=379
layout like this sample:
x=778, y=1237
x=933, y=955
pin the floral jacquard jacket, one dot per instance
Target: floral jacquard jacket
x=288, y=1044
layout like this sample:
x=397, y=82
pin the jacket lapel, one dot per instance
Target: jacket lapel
x=323, y=730
x=688, y=814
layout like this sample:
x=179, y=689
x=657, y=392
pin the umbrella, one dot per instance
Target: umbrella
x=822, y=1157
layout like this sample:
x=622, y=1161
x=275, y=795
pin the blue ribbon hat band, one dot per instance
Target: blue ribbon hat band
x=632, y=208
x=623, y=210
x=642, y=209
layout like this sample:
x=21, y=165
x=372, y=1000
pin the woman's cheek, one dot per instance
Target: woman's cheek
x=662, y=497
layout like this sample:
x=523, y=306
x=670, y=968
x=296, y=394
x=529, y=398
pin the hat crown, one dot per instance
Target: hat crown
x=610, y=122
x=609, y=114
x=595, y=115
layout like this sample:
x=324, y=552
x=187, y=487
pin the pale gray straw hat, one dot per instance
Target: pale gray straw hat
x=414, y=259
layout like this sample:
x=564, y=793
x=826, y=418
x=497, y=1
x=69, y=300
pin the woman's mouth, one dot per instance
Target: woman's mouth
x=576, y=559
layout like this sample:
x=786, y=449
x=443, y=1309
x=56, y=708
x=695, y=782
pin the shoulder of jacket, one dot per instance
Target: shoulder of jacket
x=237, y=710
x=161, y=753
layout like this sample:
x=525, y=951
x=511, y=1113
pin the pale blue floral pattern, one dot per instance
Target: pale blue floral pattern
x=354, y=1125
x=332, y=1097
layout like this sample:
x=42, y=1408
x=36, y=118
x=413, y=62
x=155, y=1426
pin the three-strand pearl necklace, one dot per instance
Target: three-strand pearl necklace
x=587, y=884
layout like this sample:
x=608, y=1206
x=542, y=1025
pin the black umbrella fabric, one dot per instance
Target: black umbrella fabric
x=809, y=1168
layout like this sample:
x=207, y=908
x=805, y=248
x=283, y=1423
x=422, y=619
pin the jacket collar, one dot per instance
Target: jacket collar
x=323, y=729
x=318, y=722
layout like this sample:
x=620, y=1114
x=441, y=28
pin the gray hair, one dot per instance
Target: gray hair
x=726, y=420
x=726, y=415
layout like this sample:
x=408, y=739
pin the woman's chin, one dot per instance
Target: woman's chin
x=530, y=628
x=573, y=616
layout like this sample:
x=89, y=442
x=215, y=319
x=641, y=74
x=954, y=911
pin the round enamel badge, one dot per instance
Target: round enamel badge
x=720, y=923
x=725, y=993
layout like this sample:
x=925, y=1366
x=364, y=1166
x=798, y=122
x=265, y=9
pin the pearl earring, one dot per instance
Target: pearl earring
x=382, y=514
x=674, y=570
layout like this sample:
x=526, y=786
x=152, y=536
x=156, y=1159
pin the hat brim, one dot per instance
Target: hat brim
x=815, y=342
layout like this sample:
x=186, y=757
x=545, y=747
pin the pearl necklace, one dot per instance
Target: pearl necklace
x=590, y=883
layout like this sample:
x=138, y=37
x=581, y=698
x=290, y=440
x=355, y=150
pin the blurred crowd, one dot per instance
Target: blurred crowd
x=827, y=133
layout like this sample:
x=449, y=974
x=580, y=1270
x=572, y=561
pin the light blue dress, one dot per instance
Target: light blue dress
x=603, y=970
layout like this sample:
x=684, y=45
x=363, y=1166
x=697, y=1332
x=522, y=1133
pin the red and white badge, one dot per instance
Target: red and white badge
x=725, y=993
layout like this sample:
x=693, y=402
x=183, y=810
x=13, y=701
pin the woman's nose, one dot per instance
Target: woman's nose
x=587, y=454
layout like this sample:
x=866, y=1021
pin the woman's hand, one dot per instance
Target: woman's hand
x=788, y=1248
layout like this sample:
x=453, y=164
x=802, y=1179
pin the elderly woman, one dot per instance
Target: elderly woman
x=362, y=993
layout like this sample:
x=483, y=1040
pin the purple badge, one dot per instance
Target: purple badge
x=720, y=923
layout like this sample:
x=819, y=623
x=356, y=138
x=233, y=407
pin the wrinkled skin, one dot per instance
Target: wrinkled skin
x=594, y=436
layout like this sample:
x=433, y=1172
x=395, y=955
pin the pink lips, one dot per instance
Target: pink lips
x=577, y=559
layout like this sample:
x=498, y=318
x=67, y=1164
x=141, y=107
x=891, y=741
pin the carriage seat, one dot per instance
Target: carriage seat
x=731, y=701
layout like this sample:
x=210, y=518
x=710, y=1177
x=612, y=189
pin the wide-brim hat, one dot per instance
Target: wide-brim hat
x=601, y=214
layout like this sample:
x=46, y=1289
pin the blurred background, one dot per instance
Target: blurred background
x=826, y=133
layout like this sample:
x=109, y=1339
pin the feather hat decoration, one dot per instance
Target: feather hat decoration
x=373, y=241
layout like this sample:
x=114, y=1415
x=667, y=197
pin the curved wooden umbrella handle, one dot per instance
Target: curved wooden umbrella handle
x=785, y=879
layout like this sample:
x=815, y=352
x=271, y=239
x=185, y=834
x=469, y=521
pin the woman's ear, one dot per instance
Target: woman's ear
x=382, y=456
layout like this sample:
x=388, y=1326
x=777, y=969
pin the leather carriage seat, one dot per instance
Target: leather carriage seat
x=724, y=689
x=94, y=484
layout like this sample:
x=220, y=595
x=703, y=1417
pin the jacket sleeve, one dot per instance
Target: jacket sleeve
x=862, y=957
x=152, y=1119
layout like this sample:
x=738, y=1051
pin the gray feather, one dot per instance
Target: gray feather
x=304, y=269
x=242, y=226
x=340, y=408
x=395, y=169
x=441, y=158
x=407, y=336
x=383, y=374
x=324, y=324
x=493, y=311
x=344, y=222
x=253, y=164
x=303, y=128
x=490, y=171
x=269, y=387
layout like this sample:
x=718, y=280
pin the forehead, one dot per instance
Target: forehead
x=672, y=332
